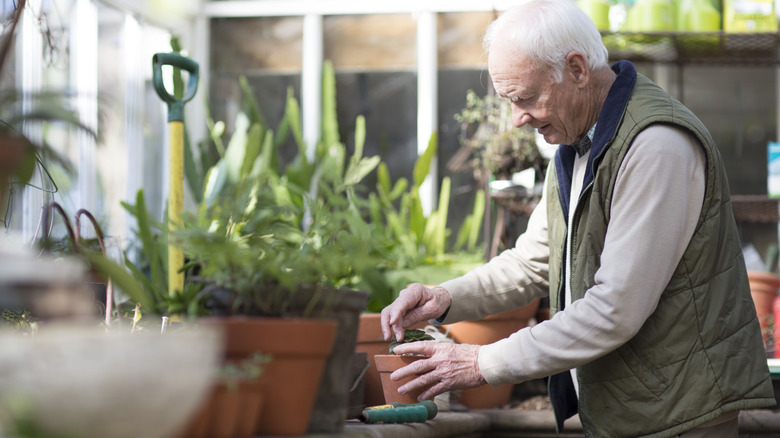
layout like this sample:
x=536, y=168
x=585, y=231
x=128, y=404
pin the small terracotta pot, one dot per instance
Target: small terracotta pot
x=371, y=342
x=386, y=364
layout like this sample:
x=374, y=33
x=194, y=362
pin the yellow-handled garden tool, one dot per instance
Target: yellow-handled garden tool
x=175, y=151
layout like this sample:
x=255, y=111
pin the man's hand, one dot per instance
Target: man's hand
x=414, y=304
x=448, y=367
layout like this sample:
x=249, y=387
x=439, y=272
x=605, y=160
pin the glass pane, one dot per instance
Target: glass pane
x=245, y=45
x=111, y=151
x=371, y=42
x=460, y=39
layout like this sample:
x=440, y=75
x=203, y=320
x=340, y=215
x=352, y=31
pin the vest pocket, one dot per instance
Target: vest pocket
x=650, y=376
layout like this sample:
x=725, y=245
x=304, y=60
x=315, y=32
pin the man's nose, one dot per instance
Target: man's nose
x=520, y=117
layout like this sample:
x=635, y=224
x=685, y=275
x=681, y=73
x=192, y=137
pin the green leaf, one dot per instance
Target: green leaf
x=236, y=150
x=122, y=279
x=423, y=164
x=463, y=233
x=141, y=278
x=252, y=151
x=399, y=188
x=443, y=211
x=191, y=174
x=417, y=219
x=292, y=116
x=383, y=180
x=218, y=129
x=264, y=163
x=412, y=335
x=356, y=173
x=216, y=179
x=360, y=136
x=330, y=124
x=250, y=103
x=477, y=216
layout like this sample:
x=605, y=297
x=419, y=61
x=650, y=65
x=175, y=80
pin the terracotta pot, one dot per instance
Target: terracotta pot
x=763, y=289
x=486, y=331
x=231, y=411
x=776, y=333
x=386, y=364
x=371, y=342
x=299, y=348
x=331, y=406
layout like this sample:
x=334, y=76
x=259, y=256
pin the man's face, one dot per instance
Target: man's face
x=536, y=99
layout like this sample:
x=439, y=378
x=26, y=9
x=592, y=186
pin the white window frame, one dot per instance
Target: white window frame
x=313, y=12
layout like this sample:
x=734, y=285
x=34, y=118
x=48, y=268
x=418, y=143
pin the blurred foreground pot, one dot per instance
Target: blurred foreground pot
x=230, y=411
x=81, y=381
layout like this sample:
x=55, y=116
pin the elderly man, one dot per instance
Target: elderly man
x=653, y=331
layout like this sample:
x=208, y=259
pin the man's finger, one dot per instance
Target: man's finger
x=415, y=368
x=433, y=391
x=384, y=322
x=426, y=348
x=423, y=382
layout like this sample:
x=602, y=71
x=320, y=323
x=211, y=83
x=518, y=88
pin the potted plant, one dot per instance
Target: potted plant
x=289, y=243
x=764, y=285
x=387, y=363
x=491, y=146
x=419, y=251
x=270, y=243
x=494, y=150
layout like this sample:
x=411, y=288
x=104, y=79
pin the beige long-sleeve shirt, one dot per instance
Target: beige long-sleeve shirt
x=658, y=195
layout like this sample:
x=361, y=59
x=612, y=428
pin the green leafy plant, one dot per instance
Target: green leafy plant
x=21, y=321
x=266, y=229
x=418, y=243
x=145, y=280
x=412, y=335
x=491, y=145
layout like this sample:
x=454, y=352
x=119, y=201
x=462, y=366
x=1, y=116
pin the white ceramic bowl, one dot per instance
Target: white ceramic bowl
x=92, y=384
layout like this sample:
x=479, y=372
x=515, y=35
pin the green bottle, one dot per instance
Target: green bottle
x=701, y=16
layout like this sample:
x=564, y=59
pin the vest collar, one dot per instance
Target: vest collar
x=606, y=125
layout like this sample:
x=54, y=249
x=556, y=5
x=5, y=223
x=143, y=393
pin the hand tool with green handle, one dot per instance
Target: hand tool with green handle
x=400, y=413
x=176, y=151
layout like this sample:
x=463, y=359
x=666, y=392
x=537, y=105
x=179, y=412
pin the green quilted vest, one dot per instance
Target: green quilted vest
x=700, y=354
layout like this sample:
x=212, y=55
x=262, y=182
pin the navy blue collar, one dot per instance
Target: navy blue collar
x=606, y=125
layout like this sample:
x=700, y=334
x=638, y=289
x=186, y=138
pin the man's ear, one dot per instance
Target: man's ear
x=577, y=68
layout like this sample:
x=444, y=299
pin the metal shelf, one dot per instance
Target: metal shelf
x=693, y=48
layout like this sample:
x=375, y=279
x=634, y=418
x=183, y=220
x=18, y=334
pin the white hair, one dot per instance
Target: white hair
x=546, y=31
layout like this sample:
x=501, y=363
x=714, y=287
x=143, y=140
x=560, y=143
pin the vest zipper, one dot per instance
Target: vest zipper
x=570, y=256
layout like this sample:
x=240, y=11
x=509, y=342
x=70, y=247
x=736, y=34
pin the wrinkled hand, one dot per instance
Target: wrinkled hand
x=448, y=367
x=414, y=304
